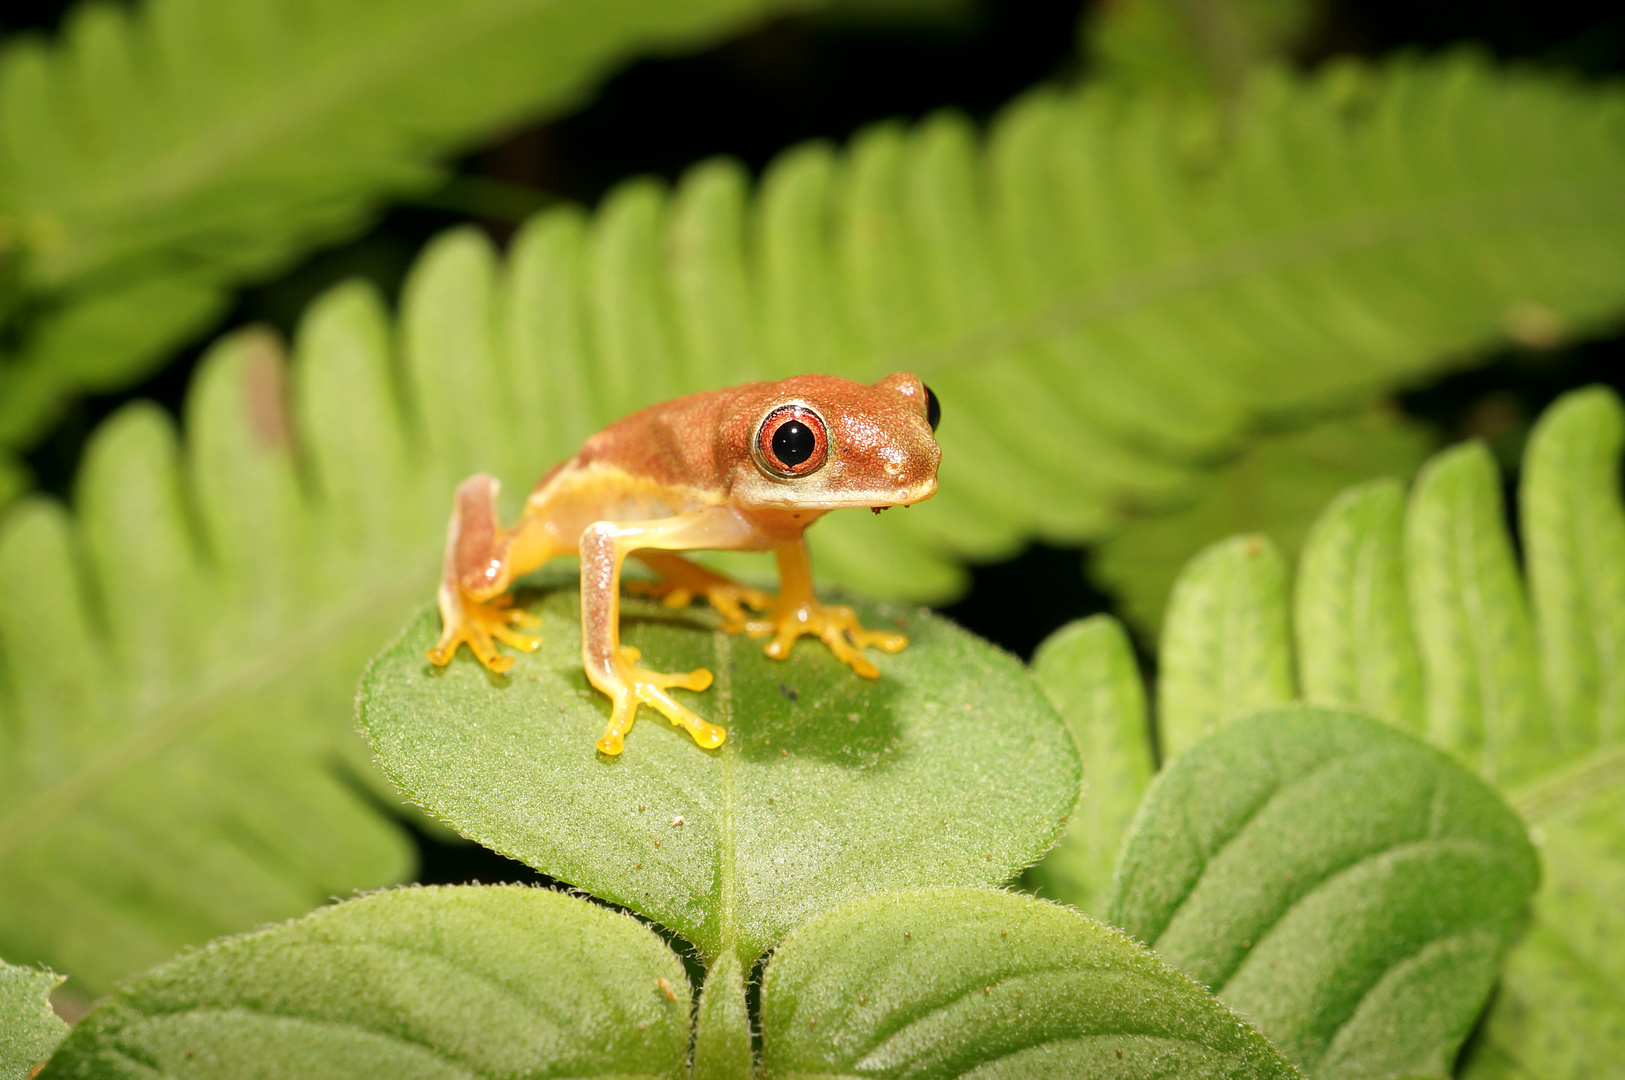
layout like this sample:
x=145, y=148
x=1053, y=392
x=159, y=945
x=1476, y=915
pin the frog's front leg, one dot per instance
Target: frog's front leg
x=798, y=611
x=611, y=668
x=481, y=560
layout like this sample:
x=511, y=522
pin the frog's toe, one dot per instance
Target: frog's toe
x=836, y=626
x=642, y=686
x=481, y=626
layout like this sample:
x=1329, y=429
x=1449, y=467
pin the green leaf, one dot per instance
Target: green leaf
x=1226, y=647
x=1346, y=888
x=1480, y=668
x=722, y=1024
x=29, y=1030
x=1276, y=487
x=155, y=156
x=423, y=982
x=1560, y=1013
x=966, y=982
x=1574, y=535
x=1352, y=613
x=828, y=786
x=1087, y=669
x=1105, y=293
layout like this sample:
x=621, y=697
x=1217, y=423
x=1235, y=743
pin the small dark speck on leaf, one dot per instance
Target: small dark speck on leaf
x=657, y=843
x=1120, y=1053
x=639, y=866
x=990, y=858
x=1246, y=943
x=813, y=1022
x=987, y=989
x=787, y=692
x=908, y=933
x=862, y=1000
x=770, y=799
x=1004, y=933
x=784, y=753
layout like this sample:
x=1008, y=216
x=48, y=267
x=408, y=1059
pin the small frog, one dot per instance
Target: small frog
x=746, y=469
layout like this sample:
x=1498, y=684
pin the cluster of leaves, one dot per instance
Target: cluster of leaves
x=1412, y=610
x=1346, y=888
x=845, y=837
x=154, y=157
x=1108, y=290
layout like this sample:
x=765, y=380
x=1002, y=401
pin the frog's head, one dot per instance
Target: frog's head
x=818, y=442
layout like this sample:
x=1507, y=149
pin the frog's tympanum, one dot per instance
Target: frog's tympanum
x=746, y=469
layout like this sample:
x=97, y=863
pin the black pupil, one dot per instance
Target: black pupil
x=793, y=443
x=933, y=409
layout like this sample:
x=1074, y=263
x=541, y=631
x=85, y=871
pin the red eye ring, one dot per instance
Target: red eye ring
x=791, y=441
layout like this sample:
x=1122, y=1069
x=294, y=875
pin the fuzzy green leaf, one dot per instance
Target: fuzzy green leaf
x=1276, y=487
x=155, y=156
x=1480, y=669
x=1226, y=649
x=942, y=983
x=1346, y=888
x=1087, y=669
x=425, y=982
x=828, y=786
x=722, y=1024
x=29, y=1030
x=1352, y=616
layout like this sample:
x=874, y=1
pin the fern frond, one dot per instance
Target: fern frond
x=156, y=156
x=1108, y=295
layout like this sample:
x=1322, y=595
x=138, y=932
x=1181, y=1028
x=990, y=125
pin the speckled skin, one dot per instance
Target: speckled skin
x=678, y=476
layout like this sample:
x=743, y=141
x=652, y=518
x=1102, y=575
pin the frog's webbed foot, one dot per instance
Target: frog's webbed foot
x=480, y=625
x=681, y=581
x=633, y=686
x=835, y=624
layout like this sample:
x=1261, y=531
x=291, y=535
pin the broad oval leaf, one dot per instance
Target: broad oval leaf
x=1345, y=887
x=950, y=768
x=421, y=982
x=938, y=983
x=29, y=1030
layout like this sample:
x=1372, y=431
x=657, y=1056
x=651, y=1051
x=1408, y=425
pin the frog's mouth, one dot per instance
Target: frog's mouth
x=876, y=498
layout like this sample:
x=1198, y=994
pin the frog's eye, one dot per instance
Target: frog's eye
x=791, y=442
x=933, y=408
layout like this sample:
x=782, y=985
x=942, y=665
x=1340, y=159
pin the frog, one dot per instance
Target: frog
x=747, y=468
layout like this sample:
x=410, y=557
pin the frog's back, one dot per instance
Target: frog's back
x=658, y=461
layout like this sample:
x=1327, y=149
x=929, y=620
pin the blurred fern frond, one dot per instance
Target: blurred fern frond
x=157, y=155
x=1108, y=294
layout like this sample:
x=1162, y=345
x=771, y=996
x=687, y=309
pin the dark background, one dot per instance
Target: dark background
x=795, y=79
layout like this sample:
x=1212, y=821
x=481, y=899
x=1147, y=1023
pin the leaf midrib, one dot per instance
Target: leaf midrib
x=360, y=74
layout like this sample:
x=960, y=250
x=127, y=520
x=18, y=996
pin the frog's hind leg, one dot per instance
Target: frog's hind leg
x=481, y=560
x=612, y=668
x=681, y=581
x=798, y=611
